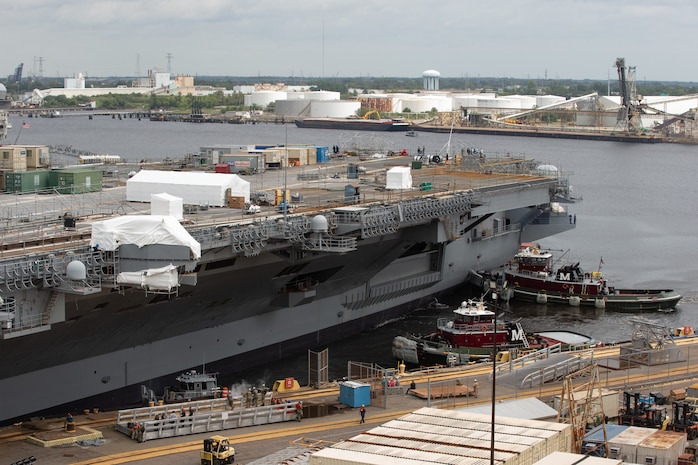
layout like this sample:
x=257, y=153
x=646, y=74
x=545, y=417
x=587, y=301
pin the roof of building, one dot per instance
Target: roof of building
x=527, y=408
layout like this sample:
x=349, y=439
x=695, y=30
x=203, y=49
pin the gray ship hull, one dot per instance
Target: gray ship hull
x=256, y=307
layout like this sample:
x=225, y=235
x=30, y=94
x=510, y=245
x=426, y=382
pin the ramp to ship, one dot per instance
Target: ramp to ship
x=553, y=368
x=197, y=417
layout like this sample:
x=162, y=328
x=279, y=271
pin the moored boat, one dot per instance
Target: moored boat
x=191, y=385
x=472, y=335
x=356, y=124
x=532, y=277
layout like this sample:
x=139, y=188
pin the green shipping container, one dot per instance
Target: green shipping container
x=76, y=180
x=21, y=182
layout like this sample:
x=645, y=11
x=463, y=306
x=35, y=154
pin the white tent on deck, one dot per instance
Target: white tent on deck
x=398, y=177
x=167, y=205
x=193, y=187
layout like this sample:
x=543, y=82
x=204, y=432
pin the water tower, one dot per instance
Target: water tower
x=431, y=79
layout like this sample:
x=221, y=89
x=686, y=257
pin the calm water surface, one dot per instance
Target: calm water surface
x=638, y=213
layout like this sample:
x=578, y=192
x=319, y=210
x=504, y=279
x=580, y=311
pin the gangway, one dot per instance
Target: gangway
x=197, y=417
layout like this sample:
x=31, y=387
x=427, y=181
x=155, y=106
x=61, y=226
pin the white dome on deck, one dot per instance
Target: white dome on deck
x=547, y=169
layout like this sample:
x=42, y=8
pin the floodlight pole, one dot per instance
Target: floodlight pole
x=494, y=370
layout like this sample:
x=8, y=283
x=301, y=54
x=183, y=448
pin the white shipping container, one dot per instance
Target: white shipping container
x=661, y=448
x=624, y=445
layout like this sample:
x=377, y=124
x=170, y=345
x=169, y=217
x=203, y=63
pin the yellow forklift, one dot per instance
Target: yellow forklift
x=217, y=451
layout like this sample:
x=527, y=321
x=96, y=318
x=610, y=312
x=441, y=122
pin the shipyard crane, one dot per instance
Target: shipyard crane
x=582, y=405
x=17, y=76
x=629, y=114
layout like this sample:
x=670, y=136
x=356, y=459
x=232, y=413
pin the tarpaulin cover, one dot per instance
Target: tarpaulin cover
x=161, y=279
x=142, y=230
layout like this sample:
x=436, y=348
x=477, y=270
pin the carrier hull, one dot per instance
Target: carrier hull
x=245, y=306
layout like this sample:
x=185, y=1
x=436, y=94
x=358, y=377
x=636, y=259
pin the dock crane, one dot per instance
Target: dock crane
x=629, y=114
x=17, y=77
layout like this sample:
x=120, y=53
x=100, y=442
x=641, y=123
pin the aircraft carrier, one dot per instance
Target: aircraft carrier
x=81, y=319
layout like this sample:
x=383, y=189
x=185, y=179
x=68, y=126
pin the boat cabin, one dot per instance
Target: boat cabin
x=474, y=326
x=193, y=385
x=472, y=312
x=530, y=258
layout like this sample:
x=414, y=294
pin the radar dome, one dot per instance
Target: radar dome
x=3, y=92
x=318, y=224
x=76, y=271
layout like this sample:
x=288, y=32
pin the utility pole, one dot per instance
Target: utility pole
x=41, y=67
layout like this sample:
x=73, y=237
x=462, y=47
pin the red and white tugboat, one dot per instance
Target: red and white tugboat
x=532, y=277
x=473, y=325
x=469, y=337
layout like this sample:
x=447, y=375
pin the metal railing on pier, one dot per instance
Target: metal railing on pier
x=171, y=420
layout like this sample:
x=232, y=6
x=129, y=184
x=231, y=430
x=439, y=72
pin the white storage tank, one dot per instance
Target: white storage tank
x=334, y=108
x=423, y=104
x=545, y=100
x=264, y=97
x=317, y=95
x=527, y=102
x=467, y=100
x=291, y=107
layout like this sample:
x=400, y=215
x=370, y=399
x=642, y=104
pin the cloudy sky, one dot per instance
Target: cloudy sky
x=566, y=39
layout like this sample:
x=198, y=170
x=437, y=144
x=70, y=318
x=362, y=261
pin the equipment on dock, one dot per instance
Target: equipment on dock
x=685, y=419
x=217, y=451
x=285, y=385
x=642, y=411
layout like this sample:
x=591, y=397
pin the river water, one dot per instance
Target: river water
x=638, y=213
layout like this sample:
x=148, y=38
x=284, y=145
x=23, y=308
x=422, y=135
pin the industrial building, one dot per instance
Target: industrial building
x=445, y=436
x=430, y=435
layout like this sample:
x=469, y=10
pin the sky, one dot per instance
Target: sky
x=523, y=39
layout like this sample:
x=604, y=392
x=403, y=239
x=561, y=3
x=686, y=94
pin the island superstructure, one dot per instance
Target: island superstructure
x=101, y=302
